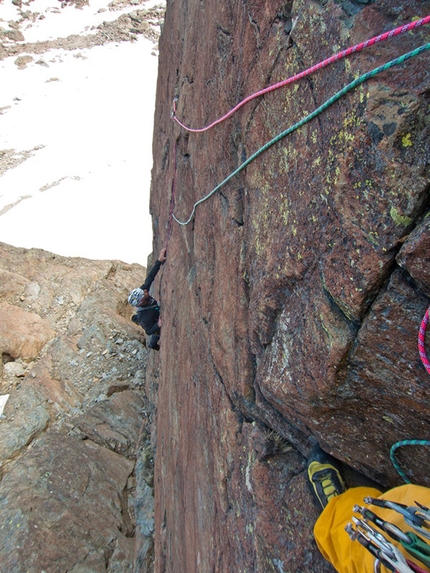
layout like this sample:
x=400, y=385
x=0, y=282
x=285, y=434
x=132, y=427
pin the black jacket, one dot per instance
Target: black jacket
x=147, y=316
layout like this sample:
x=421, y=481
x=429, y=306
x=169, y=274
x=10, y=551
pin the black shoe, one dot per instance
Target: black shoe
x=324, y=476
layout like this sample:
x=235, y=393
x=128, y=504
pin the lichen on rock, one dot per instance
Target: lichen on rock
x=303, y=318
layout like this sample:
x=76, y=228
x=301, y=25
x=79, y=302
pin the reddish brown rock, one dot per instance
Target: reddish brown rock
x=292, y=300
x=414, y=255
x=73, y=511
x=22, y=334
x=73, y=426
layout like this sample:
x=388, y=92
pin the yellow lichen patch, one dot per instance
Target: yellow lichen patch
x=406, y=140
x=340, y=144
x=363, y=94
x=372, y=237
x=400, y=220
x=285, y=213
x=270, y=209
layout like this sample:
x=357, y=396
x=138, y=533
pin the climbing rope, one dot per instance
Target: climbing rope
x=305, y=120
x=421, y=341
x=394, y=447
x=397, y=445
x=320, y=65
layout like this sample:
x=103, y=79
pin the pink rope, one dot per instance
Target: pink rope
x=323, y=64
x=421, y=341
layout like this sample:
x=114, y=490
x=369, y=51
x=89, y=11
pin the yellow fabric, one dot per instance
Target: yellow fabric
x=333, y=541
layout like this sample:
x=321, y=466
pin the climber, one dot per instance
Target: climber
x=333, y=529
x=147, y=308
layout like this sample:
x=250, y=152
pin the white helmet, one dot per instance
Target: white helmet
x=135, y=296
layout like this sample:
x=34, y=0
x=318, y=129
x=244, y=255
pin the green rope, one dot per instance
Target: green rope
x=399, y=445
x=308, y=118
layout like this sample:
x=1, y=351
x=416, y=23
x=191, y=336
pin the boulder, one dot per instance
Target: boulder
x=23, y=334
x=73, y=517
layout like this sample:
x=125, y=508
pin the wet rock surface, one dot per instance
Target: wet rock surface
x=73, y=427
x=292, y=300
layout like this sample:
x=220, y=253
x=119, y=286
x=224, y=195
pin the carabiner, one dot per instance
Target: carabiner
x=424, y=510
x=393, y=531
x=374, y=536
x=399, y=562
x=424, y=532
x=407, y=512
x=373, y=549
x=173, y=113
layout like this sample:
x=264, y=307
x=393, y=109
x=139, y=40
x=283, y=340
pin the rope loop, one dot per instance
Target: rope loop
x=400, y=444
x=421, y=341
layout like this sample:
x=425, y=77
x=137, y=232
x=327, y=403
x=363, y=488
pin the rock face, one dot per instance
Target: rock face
x=292, y=300
x=73, y=427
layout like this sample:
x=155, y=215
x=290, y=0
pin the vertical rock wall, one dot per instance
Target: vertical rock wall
x=292, y=301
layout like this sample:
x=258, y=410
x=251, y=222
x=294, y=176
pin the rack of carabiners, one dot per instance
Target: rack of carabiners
x=377, y=541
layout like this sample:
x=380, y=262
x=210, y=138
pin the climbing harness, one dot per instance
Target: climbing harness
x=421, y=341
x=397, y=445
x=320, y=65
x=305, y=120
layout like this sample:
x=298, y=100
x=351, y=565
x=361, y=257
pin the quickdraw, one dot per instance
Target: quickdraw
x=384, y=551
